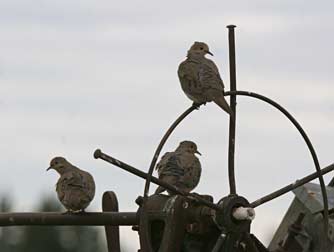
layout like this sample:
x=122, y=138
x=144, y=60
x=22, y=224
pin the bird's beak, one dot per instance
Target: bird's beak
x=198, y=153
x=49, y=168
x=208, y=52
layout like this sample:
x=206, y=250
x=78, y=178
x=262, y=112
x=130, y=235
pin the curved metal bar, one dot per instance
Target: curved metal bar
x=162, y=143
x=305, y=137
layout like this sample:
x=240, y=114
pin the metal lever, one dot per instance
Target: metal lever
x=219, y=243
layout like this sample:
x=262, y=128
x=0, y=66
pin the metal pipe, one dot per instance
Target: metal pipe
x=290, y=187
x=233, y=102
x=65, y=219
x=219, y=243
x=99, y=154
x=307, y=141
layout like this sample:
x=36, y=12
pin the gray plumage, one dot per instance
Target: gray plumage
x=180, y=168
x=200, y=79
x=75, y=188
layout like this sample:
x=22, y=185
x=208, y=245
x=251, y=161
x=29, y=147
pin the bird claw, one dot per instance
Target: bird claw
x=194, y=196
x=67, y=212
x=197, y=105
x=82, y=211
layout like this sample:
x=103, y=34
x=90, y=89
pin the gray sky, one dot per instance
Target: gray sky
x=80, y=75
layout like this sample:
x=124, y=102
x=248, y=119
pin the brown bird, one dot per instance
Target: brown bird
x=180, y=168
x=75, y=188
x=200, y=79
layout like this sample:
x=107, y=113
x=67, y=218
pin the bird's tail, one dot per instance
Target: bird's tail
x=221, y=102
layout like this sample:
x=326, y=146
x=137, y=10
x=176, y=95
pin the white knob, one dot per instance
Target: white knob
x=244, y=213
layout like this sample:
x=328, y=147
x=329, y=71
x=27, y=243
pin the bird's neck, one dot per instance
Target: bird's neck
x=180, y=150
x=194, y=56
x=67, y=169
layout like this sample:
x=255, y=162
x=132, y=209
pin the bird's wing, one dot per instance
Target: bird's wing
x=88, y=184
x=75, y=179
x=63, y=184
x=197, y=170
x=187, y=70
x=209, y=76
x=60, y=189
x=188, y=74
x=68, y=181
x=162, y=161
x=192, y=174
x=169, y=165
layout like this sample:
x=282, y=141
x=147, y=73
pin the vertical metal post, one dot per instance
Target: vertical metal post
x=110, y=204
x=233, y=87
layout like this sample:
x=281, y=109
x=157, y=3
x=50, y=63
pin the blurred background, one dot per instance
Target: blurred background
x=80, y=75
x=53, y=239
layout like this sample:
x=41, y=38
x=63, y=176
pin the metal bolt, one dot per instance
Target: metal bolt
x=185, y=205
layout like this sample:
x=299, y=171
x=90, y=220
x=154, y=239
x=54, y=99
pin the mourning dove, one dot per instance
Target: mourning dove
x=200, y=79
x=75, y=187
x=180, y=168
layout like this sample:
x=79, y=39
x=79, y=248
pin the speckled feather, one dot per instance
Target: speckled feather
x=181, y=169
x=75, y=189
x=200, y=79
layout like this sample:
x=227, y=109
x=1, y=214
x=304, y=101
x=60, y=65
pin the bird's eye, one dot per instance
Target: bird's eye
x=201, y=48
x=56, y=162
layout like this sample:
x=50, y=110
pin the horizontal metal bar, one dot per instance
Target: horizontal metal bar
x=66, y=219
x=291, y=186
x=99, y=154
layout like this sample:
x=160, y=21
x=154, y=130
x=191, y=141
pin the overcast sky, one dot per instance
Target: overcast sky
x=80, y=75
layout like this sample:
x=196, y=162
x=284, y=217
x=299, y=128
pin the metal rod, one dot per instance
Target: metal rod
x=219, y=243
x=161, y=144
x=331, y=183
x=110, y=204
x=233, y=102
x=64, y=219
x=307, y=141
x=99, y=154
x=290, y=187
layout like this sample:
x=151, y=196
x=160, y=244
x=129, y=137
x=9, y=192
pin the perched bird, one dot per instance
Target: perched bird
x=200, y=79
x=180, y=168
x=75, y=187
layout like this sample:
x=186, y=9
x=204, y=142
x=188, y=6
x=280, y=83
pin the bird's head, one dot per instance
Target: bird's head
x=59, y=164
x=188, y=146
x=199, y=49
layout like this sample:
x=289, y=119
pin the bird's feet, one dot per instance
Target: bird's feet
x=197, y=105
x=194, y=196
x=67, y=212
x=82, y=211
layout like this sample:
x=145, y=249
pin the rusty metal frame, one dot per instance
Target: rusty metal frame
x=233, y=95
x=112, y=219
